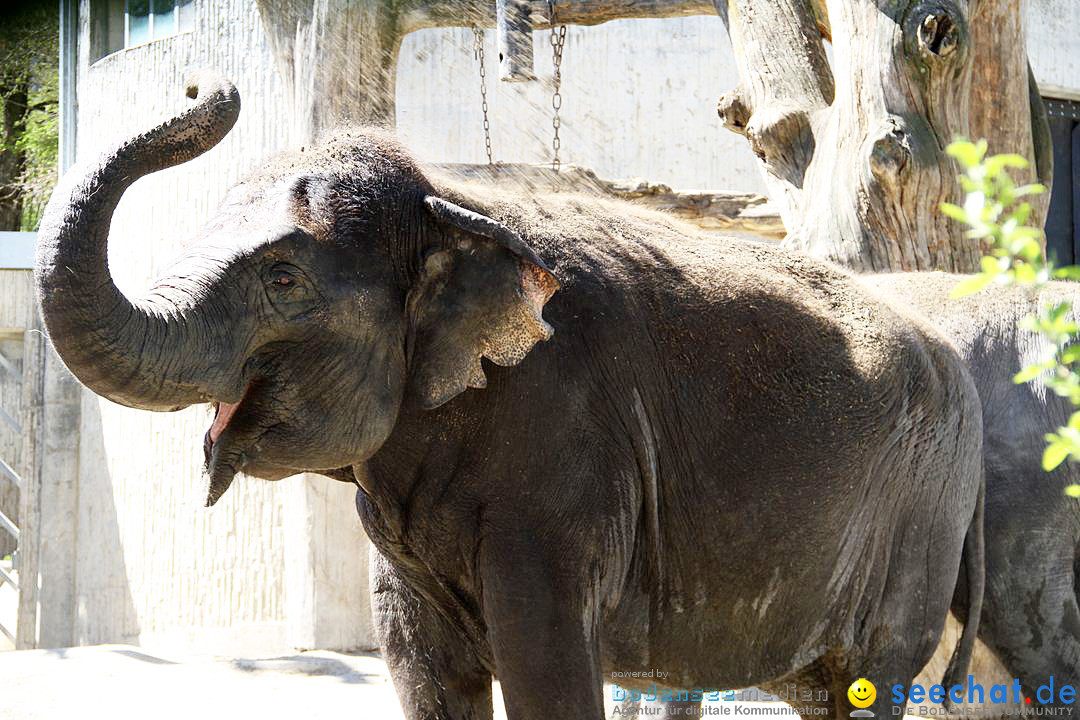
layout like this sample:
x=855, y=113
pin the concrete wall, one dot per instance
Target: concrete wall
x=1053, y=43
x=639, y=100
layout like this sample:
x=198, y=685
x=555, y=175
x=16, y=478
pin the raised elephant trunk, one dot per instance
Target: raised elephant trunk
x=128, y=351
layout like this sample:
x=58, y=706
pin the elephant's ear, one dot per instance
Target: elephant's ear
x=481, y=294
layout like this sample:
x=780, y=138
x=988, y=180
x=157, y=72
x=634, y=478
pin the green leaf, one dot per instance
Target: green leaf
x=1055, y=454
x=1072, y=491
x=1025, y=274
x=967, y=153
x=1069, y=272
x=970, y=285
x=1059, y=312
x=1029, y=189
x=992, y=266
x=996, y=163
x=1028, y=374
x=953, y=211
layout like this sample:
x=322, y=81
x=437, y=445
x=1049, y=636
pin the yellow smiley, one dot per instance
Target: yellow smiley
x=862, y=693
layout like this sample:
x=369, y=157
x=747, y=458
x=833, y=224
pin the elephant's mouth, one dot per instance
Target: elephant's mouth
x=221, y=464
x=234, y=440
x=223, y=412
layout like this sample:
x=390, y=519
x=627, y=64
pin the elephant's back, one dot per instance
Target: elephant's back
x=751, y=323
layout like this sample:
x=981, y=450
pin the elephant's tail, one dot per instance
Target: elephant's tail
x=975, y=567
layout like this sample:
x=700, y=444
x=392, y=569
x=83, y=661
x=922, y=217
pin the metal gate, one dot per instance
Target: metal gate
x=18, y=353
x=9, y=570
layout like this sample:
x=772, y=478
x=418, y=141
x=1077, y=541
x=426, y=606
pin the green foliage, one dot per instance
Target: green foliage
x=996, y=213
x=29, y=105
x=40, y=142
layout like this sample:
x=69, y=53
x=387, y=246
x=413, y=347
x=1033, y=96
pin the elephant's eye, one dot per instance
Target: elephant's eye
x=283, y=276
x=289, y=289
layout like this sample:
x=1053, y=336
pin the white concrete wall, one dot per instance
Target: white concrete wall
x=1053, y=42
x=16, y=313
x=639, y=100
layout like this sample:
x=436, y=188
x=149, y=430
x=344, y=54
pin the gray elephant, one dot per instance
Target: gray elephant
x=585, y=438
x=1030, y=615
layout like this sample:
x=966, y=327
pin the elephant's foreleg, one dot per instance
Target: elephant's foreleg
x=543, y=635
x=435, y=675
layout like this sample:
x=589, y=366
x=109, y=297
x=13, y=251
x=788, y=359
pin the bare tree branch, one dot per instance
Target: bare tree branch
x=786, y=79
x=859, y=177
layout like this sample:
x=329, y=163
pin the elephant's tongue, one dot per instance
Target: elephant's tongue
x=224, y=413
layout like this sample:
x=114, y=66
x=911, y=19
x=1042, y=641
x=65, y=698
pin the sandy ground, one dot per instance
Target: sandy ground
x=121, y=682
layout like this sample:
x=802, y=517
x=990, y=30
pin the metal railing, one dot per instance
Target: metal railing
x=6, y=471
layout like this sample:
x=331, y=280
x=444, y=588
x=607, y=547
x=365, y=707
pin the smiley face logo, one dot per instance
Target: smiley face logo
x=862, y=693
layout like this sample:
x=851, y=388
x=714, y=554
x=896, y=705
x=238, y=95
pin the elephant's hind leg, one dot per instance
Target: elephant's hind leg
x=1032, y=622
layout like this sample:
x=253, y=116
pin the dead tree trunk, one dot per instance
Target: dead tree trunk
x=855, y=152
x=338, y=59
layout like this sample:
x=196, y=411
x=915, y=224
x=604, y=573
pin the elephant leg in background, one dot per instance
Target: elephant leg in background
x=435, y=676
x=1034, y=626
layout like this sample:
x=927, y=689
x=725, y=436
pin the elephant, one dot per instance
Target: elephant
x=1030, y=617
x=586, y=438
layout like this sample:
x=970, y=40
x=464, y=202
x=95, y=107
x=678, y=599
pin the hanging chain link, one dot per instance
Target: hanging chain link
x=558, y=40
x=478, y=53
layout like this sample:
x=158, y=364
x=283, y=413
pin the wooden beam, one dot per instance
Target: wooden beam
x=722, y=213
x=339, y=57
x=419, y=14
x=9, y=525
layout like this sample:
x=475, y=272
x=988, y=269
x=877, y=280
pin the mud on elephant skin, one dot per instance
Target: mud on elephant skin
x=586, y=437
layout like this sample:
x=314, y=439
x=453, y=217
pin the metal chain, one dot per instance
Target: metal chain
x=558, y=40
x=478, y=53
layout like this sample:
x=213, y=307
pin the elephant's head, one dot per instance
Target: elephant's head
x=333, y=284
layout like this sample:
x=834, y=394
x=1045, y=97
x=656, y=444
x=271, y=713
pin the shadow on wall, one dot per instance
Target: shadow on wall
x=104, y=610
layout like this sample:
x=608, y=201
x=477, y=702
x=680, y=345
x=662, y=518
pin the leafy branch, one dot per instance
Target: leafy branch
x=996, y=214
